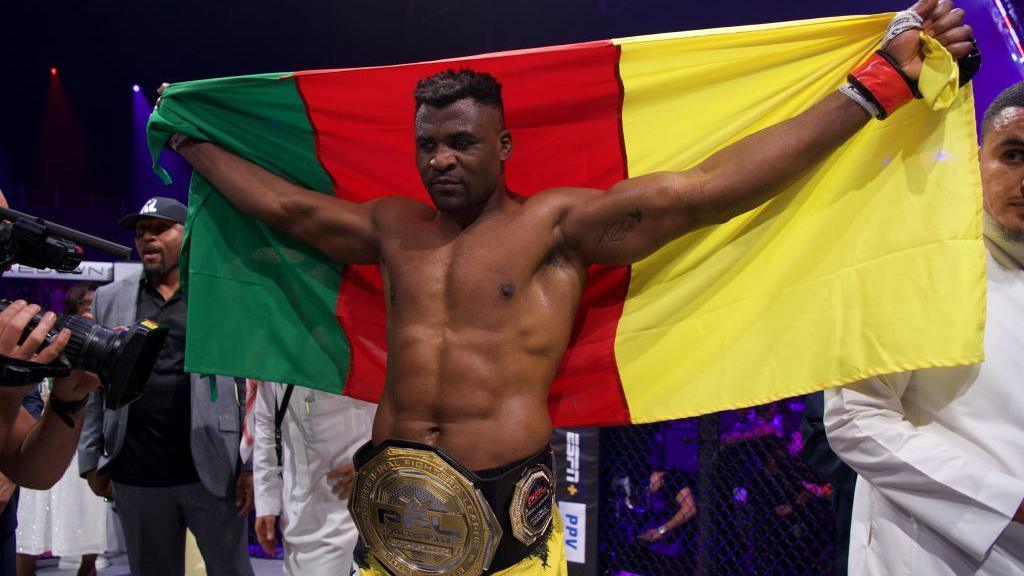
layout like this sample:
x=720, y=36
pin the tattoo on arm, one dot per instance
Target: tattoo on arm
x=618, y=230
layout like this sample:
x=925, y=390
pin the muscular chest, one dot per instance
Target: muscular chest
x=480, y=276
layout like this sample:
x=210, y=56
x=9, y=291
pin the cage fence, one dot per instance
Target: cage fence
x=726, y=493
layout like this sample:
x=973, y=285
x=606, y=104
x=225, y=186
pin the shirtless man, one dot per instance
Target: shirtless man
x=477, y=325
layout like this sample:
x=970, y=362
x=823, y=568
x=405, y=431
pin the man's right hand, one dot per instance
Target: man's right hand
x=340, y=480
x=13, y=321
x=265, y=533
x=100, y=484
x=7, y=488
x=160, y=94
x=943, y=22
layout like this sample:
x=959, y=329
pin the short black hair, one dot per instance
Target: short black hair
x=450, y=86
x=1012, y=97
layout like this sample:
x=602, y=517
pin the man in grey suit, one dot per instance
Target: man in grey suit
x=170, y=460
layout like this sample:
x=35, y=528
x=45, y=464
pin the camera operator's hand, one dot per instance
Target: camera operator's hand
x=100, y=484
x=13, y=321
x=75, y=386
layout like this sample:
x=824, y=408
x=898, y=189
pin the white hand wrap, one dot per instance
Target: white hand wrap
x=859, y=98
x=901, y=22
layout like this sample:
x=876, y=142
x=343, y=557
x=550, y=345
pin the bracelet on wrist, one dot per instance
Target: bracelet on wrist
x=65, y=409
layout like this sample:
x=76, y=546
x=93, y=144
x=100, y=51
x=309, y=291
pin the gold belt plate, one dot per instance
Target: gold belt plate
x=419, y=516
x=531, y=509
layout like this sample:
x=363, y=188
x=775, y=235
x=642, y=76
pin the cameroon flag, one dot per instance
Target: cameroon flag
x=870, y=263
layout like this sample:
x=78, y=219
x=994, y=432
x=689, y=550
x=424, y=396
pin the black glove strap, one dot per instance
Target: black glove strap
x=969, y=64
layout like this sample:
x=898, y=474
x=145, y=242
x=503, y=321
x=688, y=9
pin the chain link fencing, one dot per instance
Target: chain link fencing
x=727, y=493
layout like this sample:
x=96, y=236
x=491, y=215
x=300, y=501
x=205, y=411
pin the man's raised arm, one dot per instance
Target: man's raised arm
x=344, y=231
x=637, y=216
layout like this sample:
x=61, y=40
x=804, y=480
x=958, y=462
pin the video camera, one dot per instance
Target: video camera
x=122, y=359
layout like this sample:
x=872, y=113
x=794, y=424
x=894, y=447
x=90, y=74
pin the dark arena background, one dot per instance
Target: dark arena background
x=77, y=81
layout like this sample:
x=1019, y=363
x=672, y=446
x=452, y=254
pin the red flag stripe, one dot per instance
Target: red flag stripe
x=563, y=107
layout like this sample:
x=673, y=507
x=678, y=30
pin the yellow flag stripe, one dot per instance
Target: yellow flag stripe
x=871, y=263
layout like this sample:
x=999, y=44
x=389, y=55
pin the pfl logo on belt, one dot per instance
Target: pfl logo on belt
x=419, y=518
x=530, y=512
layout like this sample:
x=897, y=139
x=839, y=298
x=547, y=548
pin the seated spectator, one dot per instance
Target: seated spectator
x=670, y=530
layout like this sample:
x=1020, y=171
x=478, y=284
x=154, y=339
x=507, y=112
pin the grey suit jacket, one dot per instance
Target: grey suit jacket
x=216, y=424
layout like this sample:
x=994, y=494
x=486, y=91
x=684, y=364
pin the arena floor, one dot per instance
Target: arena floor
x=119, y=567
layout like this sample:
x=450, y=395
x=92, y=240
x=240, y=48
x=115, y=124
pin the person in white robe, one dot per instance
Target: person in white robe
x=940, y=451
x=307, y=492
x=67, y=520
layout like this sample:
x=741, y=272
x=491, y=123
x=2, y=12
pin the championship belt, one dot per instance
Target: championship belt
x=530, y=513
x=421, y=513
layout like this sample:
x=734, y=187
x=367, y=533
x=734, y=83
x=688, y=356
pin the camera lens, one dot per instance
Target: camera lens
x=92, y=346
x=122, y=359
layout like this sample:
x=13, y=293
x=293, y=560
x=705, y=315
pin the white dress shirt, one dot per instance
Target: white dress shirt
x=320, y=431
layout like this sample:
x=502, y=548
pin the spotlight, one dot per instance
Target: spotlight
x=53, y=71
x=135, y=88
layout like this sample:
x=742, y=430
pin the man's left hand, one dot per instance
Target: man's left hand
x=941, y=21
x=244, y=492
x=340, y=480
x=75, y=386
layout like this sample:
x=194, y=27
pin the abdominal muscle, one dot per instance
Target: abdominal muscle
x=478, y=397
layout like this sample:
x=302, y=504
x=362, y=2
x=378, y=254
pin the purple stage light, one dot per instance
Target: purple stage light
x=135, y=88
x=1011, y=32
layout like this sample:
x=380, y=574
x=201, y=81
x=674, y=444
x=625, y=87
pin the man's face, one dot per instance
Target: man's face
x=1002, y=169
x=459, y=153
x=86, y=307
x=158, y=243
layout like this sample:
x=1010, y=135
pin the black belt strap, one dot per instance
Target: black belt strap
x=279, y=413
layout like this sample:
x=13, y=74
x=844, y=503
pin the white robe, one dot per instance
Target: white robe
x=940, y=453
x=67, y=520
x=320, y=431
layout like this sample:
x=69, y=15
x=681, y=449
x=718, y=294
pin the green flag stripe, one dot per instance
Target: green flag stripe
x=278, y=292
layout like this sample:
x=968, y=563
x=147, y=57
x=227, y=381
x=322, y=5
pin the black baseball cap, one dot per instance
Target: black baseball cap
x=156, y=207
